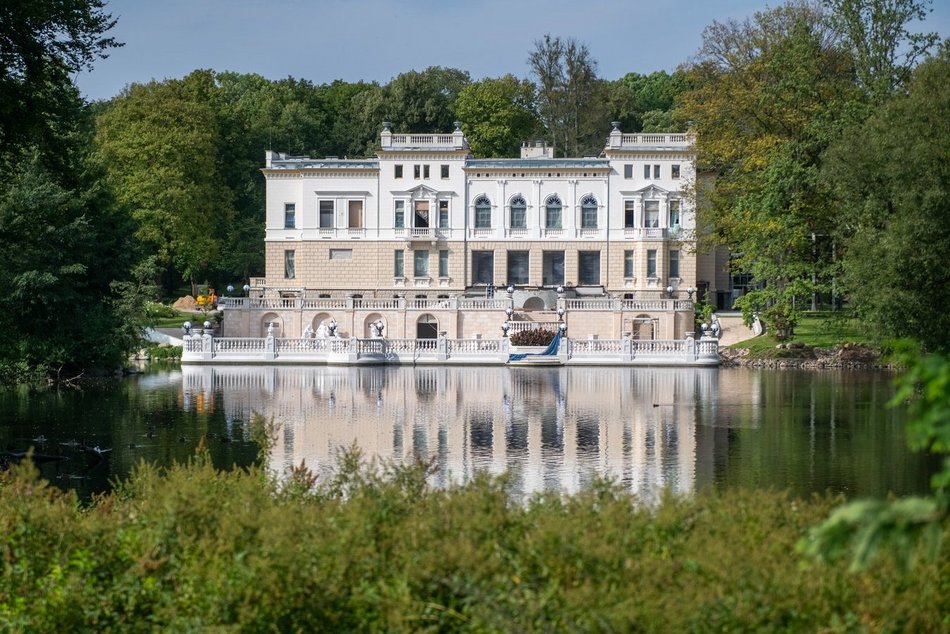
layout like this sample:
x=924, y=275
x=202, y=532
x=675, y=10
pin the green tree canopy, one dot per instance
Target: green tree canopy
x=891, y=177
x=160, y=142
x=497, y=115
x=769, y=95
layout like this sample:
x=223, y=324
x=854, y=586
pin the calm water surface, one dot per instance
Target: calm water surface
x=550, y=428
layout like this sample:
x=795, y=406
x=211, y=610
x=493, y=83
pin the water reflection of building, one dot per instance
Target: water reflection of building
x=551, y=428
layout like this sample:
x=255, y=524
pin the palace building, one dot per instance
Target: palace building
x=427, y=240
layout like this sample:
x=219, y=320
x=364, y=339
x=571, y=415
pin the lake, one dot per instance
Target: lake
x=551, y=429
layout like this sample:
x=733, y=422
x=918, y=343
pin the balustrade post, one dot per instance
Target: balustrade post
x=442, y=347
x=627, y=347
x=353, y=350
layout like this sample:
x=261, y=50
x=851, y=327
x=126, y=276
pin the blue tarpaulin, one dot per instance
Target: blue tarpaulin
x=550, y=351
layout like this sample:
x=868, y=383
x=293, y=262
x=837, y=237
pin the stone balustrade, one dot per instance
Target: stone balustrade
x=202, y=347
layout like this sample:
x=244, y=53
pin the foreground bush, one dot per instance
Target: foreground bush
x=378, y=550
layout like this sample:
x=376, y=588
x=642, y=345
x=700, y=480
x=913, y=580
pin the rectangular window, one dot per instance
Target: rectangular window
x=290, y=271
x=646, y=171
x=674, y=263
x=420, y=263
x=656, y=171
x=651, y=213
x=399, y=217
x=483, y=267
x=675, y=171
x=397, y=171
x=421, y=219
x=341, y=254
x=425, y=171
x=552, y=216
x=416, y=171
x=482, y=216
x=443, y=214
x=326, y=214
x=355, y=209
x=399, y=269
x=651, y=263
x=628, y=170
x=588, y=268
x=674, y=213
x=552, y=268
x=628, y=264
x=589, y=217
x=518, y=267
x=290, y=216
x=444, y=171
x=443, y=263
x=629, y=214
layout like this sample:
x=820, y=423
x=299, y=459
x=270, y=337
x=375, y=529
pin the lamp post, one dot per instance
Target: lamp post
x=505, y=327
x=230, y=289
x=560, y=314
x=669, y=291
x=690, y=291
x=247, y=290
x=509, y=311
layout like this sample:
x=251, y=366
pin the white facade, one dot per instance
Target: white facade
x=425, y=220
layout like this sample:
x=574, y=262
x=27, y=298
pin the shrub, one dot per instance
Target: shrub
x=538, y=337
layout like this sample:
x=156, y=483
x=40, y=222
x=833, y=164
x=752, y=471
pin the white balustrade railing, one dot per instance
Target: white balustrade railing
x=523, y=326
x=323, y=303
x=474, y=346
x=236, y=344
x=591, y=304
x=476, y=303
x=596, y=346
x=204, y=347
x=375, y=304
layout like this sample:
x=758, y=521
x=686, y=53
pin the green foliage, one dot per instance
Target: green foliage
x=537, y=337
x=890, y=178
x=571, y=100
x=875, y=33
x=42, y=43
x=371, y=547
x=160, y=142
x=497, y=115
x=645, y=102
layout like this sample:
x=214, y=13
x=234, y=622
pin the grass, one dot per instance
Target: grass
x=176, y=320
x=823, y=329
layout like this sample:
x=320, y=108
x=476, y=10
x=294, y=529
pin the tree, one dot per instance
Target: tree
x=160, y=142
x=638, y=101
x=41, y=44
x=875, y=33
x=571, y=100
x=769, y=95
x=497, y=115
x=889, y=176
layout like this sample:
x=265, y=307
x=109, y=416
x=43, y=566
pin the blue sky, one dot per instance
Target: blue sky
x=323, y=40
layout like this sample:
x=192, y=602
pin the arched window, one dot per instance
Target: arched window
x=589, y=212
x=552, y=212
x=519, y=208
x=482, y=213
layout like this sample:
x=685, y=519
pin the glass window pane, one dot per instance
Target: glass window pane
x=588, y=267
x=483, y=267
x=651, y=263
x=290, y=271
x=552, y=268
x=398, y=264
x=629, y=214
x=518, y=267
x=651, y=213
x=589, y=213
x=420, y=263
x=628, y=263
x=443, y=263
x=552, y=213
x=443, y=214
x=482, y=213
x=674, y=263
x=519, y=218
x=326, y=214
x=290, y=216
x=399, y=219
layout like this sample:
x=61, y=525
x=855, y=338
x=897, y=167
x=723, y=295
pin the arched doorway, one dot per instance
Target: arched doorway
x=427, y=327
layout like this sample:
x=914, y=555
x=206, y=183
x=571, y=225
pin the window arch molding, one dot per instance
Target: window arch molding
x=482, y=211
x=589, y=211
x=518, y=212
x=552, y=212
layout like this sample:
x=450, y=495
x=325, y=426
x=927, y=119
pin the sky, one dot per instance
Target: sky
x=375, y=40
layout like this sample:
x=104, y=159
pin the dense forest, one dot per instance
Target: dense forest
x=822, y=129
